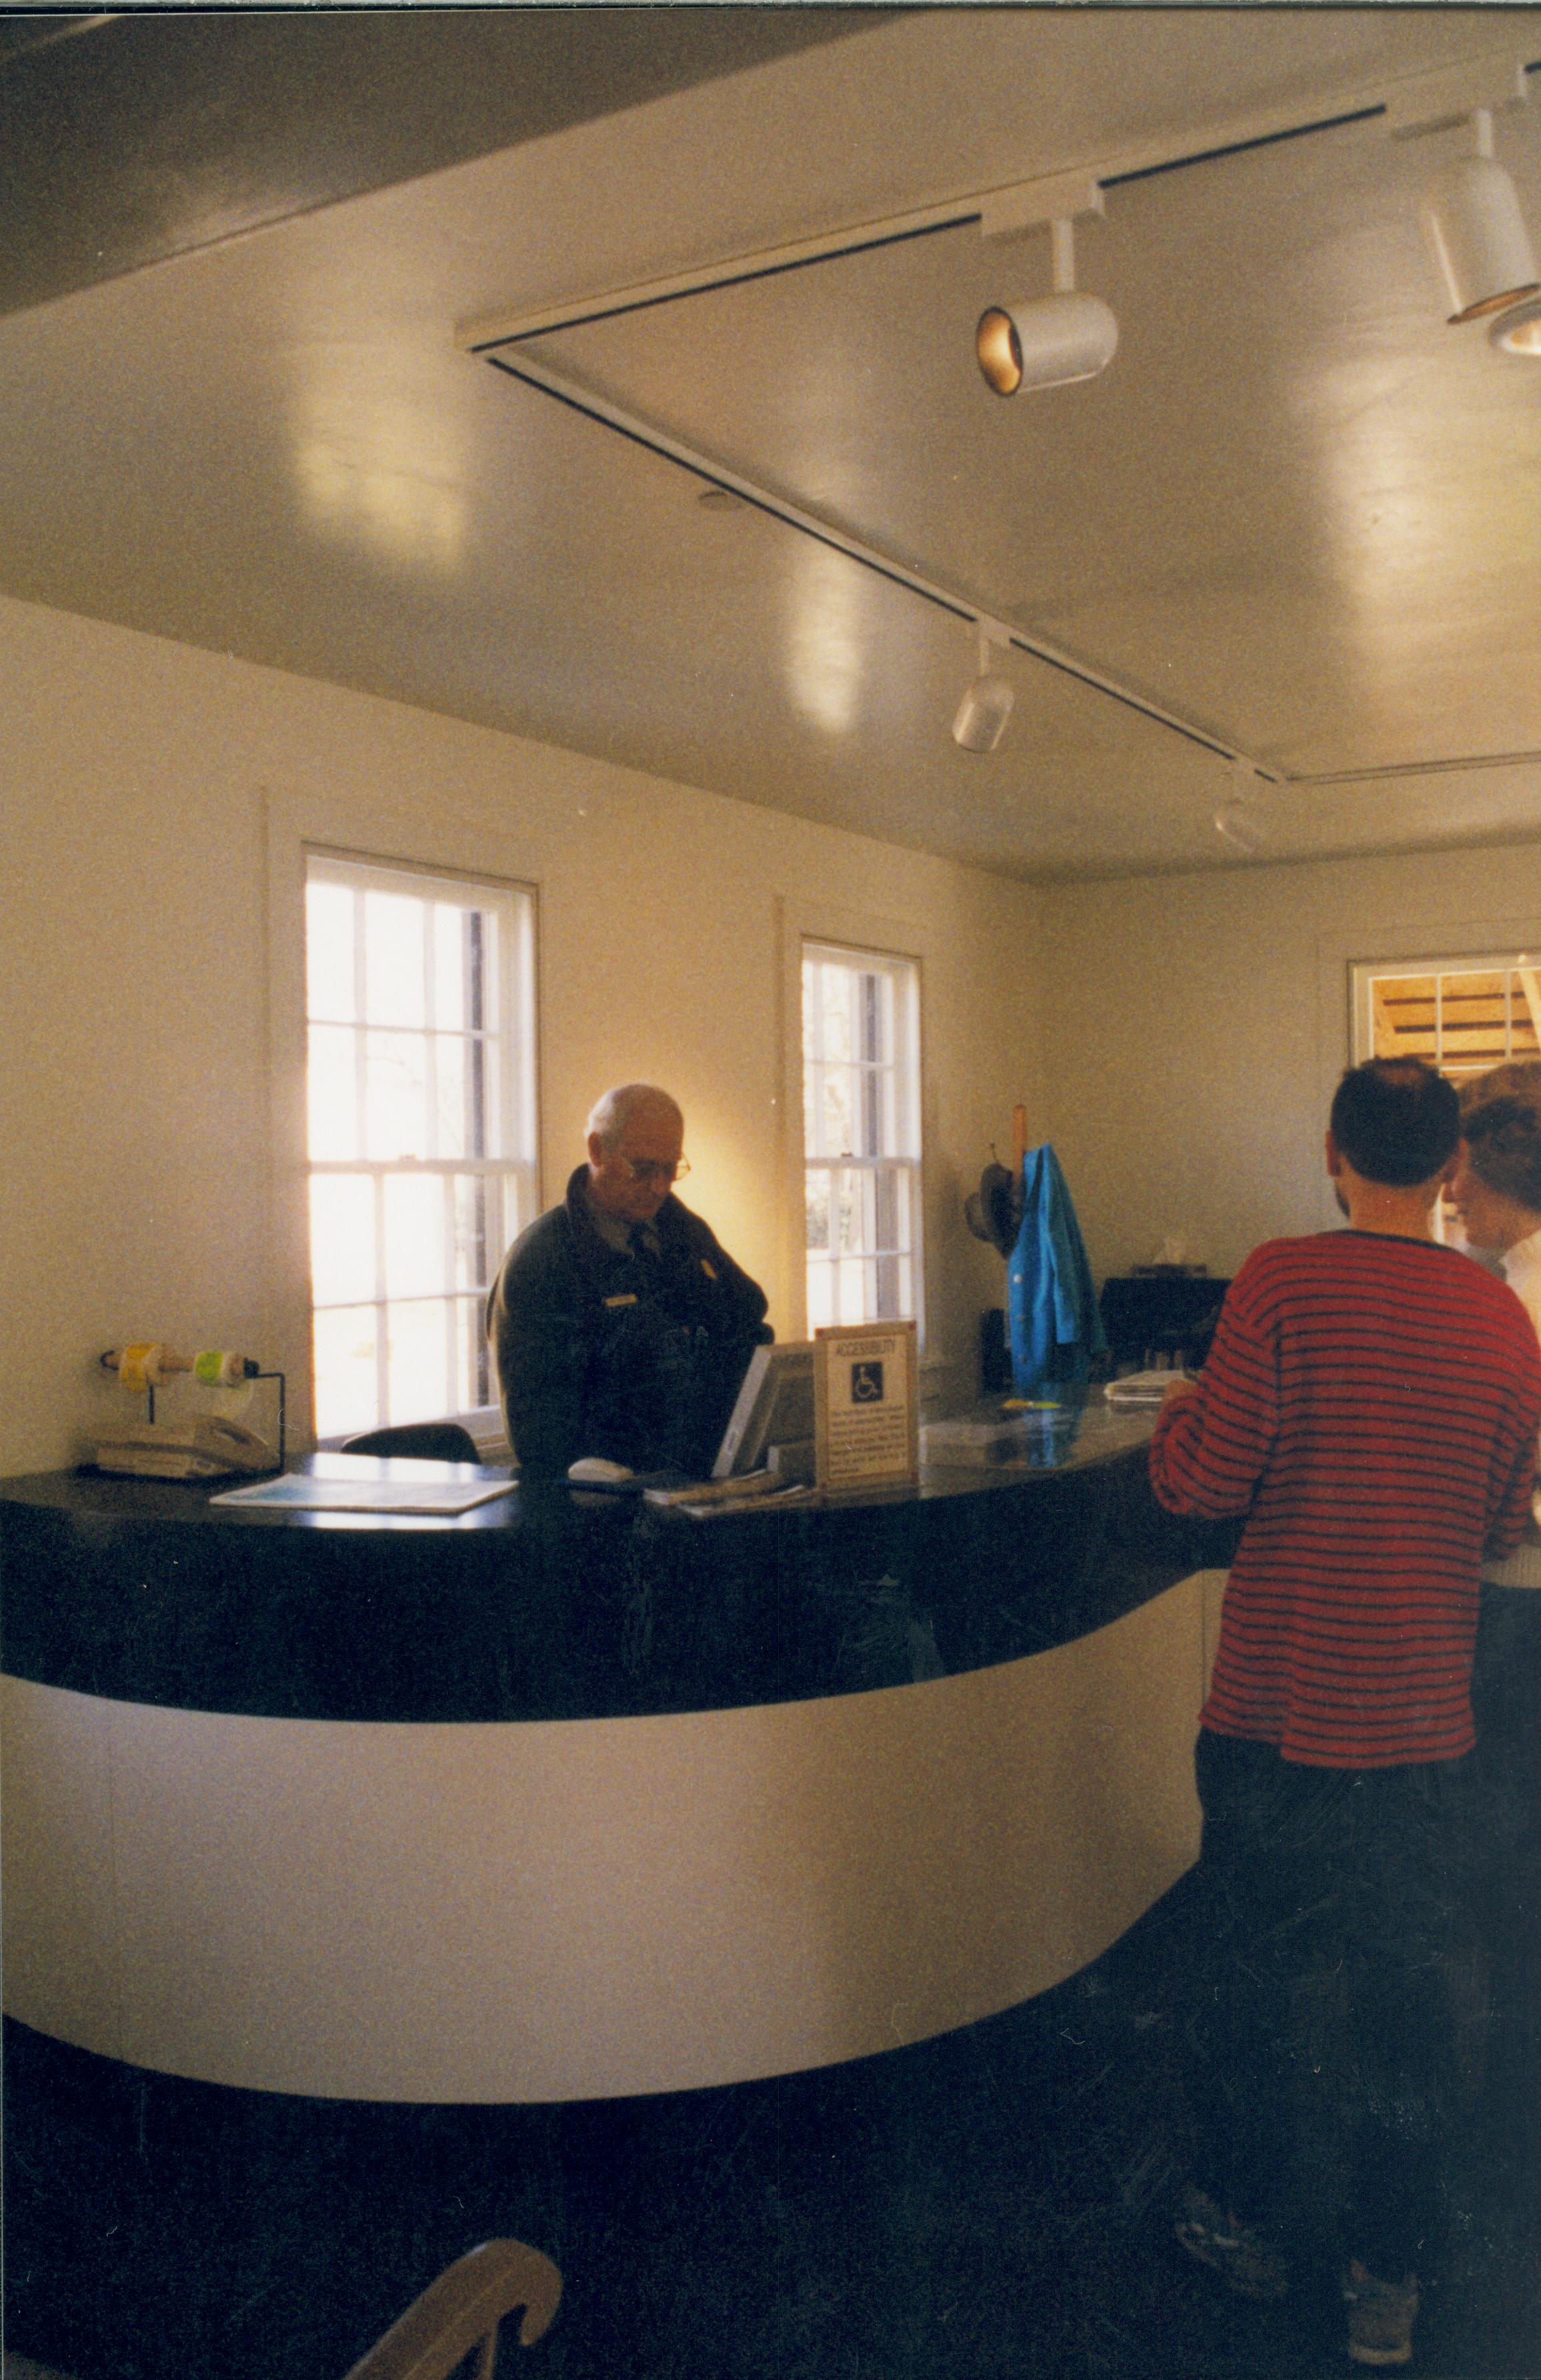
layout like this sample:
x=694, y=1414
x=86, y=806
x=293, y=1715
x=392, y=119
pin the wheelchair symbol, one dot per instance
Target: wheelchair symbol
x=867, y=1384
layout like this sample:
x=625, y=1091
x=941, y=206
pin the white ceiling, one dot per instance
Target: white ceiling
x=1299, y=513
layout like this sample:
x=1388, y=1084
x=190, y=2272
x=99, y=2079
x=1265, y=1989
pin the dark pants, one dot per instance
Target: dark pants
x=1331, y=1900
x=1506, y=1697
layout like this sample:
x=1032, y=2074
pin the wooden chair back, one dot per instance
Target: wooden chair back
x=462, y=2310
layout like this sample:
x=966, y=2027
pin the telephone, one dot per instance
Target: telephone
x=207, y=1448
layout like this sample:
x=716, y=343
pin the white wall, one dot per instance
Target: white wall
x=1191, y=1028
x=1195, y=1028
x=145, y=789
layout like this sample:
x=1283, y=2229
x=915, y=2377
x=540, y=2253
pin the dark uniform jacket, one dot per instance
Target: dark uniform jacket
x=629, y=1356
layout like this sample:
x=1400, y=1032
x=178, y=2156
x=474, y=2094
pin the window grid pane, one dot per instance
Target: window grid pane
x=860, y=1104
x=421, y=1133
x=1459, y=1018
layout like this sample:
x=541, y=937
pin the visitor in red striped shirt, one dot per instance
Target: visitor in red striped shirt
x=1370, y=1402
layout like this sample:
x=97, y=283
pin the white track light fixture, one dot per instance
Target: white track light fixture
x=1047, y=341
x=987, y=704
x=1476, y=234
x=1235, y=822
x=1518, y=332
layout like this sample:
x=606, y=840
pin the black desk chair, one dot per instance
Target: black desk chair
x=462, y=2310
x=435, y=1441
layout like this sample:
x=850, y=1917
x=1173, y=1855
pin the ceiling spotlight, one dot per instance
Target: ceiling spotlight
x=1236, y=823
x=1047, y=341
x=1519, y=330
x=1476, y=232
x=987, y=704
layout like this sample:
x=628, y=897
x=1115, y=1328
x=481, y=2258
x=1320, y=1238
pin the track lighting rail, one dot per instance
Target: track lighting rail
x=572, y=392
x=1459, y=764
x=1397, y=103
x=1402, y=107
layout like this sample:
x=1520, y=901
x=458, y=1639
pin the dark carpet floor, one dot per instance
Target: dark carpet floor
x=996, y=2205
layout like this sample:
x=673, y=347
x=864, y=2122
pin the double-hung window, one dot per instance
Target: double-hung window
x=422, y=1146
x=861, y=1135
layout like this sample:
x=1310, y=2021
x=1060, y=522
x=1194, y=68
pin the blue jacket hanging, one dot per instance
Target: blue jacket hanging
x=1056, y=1328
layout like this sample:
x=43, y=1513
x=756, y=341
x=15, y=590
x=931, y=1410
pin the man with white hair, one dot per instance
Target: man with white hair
x=620, y=1326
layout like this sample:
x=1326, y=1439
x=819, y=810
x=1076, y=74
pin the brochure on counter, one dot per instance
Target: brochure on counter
x=298, y=1491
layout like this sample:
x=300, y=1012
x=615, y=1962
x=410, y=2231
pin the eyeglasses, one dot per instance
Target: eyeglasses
x=656, y=1169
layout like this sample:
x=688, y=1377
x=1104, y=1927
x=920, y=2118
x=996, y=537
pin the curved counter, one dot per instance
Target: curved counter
x=571, y=1798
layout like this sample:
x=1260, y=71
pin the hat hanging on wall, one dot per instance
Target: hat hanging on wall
x=994, y=1211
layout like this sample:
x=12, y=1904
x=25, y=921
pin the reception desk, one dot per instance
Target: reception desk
x=570, y=1798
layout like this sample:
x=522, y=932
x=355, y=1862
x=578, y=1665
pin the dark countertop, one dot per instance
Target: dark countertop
x=547, y=1603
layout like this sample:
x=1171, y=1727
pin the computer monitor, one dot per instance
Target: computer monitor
x=774, y=1408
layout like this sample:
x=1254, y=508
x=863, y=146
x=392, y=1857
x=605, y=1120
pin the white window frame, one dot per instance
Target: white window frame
x=893, y=1114
x=1364, y=974
x=508, y=1106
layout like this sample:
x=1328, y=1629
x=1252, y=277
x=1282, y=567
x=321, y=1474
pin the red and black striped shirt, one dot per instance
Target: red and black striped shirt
x=1372, y=1403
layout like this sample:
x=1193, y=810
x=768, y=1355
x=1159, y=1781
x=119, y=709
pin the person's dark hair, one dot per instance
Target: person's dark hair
x=1395, y=1120
x=1501, y=1122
